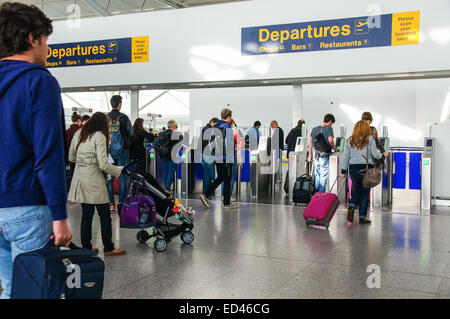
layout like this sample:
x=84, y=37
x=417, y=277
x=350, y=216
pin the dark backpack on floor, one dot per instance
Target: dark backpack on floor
x=304, y=189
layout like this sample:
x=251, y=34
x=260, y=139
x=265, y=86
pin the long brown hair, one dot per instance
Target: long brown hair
x=361, y=133
x=99, y=122
x=138, y=128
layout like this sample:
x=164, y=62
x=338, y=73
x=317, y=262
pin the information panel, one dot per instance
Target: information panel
x=125, y=50
x=338, y=34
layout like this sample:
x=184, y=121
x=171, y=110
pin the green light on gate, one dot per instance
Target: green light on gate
x=253, y=158
x=183, y=156
x=426, y=162
x=152, y=155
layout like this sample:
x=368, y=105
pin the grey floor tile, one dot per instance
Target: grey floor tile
x=424, y=244
x=423, y=267
x=391, y=293
x=264, y=251
x=157, y=287
x=325, y=276
x=414, y=282
x=313, y=292
x=445, y=287
x=440, y=296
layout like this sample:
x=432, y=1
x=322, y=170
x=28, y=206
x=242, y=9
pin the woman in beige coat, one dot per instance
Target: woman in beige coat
x=89, y=151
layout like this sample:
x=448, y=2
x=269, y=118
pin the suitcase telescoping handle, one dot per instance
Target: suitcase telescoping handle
x=339, y=190
x=72, y=246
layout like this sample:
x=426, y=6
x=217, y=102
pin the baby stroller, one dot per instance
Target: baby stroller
x=149, y=206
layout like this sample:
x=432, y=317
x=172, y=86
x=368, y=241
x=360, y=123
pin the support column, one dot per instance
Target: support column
x=134, y=105
x=297, y=105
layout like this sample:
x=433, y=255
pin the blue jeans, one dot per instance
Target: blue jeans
x=209, y=172
x=121, y=159
x=169, y=168
x=321, y=173
x=22, y=229
x=360, y=195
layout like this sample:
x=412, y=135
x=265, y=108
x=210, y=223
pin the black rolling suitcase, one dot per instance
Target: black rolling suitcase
x=304, y=189
x=58, y=273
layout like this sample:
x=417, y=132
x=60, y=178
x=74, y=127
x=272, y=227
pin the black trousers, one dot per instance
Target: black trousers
x=224, y=175
x=105, y=224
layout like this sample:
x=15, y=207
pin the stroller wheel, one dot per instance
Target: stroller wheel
x=142, y=236
x=187, y=237
x=160, y=245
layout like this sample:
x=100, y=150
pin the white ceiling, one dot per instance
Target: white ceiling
x=62, y=9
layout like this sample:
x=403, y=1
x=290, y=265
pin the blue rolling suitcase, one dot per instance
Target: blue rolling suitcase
x=58, y=273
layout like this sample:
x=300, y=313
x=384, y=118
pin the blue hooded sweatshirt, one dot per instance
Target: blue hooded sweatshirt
x=32, y=169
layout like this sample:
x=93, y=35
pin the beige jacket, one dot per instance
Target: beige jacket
x=88, y=182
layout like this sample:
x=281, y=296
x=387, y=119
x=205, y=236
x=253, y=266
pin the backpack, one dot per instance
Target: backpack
x=219, y=140
x=162, y=144
x=321, y=144
x=304, y=189
x=117, y=141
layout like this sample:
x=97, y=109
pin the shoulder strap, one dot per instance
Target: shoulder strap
x=367, y=158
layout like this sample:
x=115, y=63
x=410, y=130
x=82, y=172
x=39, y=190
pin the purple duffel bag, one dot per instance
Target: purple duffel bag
x=138, y=211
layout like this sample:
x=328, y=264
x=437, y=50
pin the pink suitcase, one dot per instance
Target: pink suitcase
x=321, y=208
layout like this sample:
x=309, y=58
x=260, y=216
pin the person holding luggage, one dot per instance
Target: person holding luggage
x=119, y=148
x=367, y=116
x=322, y=138
x=138, y=152
x=32, y=171
x=360, y=149
x=167, y=140
x=224, y=159
x=207, y=157
x=89, y=150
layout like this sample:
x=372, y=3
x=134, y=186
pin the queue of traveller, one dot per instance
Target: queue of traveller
x=33, y=190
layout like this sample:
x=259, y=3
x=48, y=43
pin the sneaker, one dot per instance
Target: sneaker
x=365, y=221
x=204, y=200
x=231, y=206
x=112, y=208
x=95, y=250
x=115, y=252
x=350, y=214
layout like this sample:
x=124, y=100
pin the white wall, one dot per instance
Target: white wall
x=248, y=105
x=203, y=43
x=391, y=103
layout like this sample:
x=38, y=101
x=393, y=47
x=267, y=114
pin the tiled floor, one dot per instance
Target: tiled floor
x=265, y=251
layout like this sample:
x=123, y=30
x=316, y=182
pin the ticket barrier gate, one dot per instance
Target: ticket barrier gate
x=298, y=162
x=191, y=172
x=335, y=163
x=261, y=169
x=426, y=192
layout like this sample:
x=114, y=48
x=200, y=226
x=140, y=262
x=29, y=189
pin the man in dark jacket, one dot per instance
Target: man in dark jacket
x=32, y=164
x=119, y=149
x=207, y=158
x=291, y=140
x=224, y=159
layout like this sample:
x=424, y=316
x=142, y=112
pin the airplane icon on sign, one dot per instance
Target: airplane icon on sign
x=113, y=46
x=361, y=26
